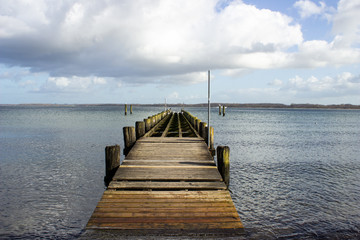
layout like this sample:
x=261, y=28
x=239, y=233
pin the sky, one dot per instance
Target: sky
x=146, y=51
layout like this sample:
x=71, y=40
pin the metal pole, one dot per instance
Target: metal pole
x=208, y=108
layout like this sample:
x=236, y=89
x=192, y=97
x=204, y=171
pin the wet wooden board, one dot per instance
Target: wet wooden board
x=165, y=210
x=167, y=185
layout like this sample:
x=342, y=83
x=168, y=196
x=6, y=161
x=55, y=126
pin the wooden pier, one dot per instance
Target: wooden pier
x=168, y=182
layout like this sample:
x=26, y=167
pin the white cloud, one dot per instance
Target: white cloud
x=345, y=84
x=142, y=40
x=319, y=53
x=346, y=23
x=308, y=8
x=71, y=84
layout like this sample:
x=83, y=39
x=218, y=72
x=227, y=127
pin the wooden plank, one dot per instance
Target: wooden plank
x=163, y=220
x=127, y=214
x=165, y=205
x=193, y=225
x=168, y=194
x=188, y=163
x=135, y=211
x=167, y=185
x=183, y=174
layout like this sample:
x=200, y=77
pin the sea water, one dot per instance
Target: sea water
x=295, y=173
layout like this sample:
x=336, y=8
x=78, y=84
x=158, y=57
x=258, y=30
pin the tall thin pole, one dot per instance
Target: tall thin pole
x=208, y=108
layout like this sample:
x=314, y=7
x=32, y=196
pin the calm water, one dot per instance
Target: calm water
x=294, y=173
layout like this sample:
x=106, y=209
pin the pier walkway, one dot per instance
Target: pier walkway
x=167, y=182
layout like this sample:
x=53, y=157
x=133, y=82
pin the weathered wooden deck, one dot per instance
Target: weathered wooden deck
x=167, y=183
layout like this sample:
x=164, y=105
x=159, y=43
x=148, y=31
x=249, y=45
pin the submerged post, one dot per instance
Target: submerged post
x=223, y=163
x=125, y=109
x=129, y=138
x=219, y=109
x=224, y=110
x=112, y=162
x=130, y=109
x=139, y=129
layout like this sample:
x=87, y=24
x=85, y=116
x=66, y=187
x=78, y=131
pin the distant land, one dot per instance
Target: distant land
x=231, y=105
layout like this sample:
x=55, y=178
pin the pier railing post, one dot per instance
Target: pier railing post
x=139, y=129
x=112, y=162
x=147, y=124
x=202, y=130
x=197, y=125
x=223, y=163
x=129, y=139
x=211, y=147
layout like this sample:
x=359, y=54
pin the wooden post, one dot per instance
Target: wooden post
x=125, y=109
x=139, y=129
x=130, y=109
x=224, y=110
x=129, y=138
x=197, y=125
x=219, y=109
x=223, y=163
x=202, y=130
x=211, y=147
x=147, y=124
x=112, y=162
x=207, y=136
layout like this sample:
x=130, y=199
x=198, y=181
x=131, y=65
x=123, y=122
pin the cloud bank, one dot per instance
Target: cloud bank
x=82, y=44
x=124, y=39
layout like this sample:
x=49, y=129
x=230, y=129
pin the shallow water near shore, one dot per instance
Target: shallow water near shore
x=295, y=173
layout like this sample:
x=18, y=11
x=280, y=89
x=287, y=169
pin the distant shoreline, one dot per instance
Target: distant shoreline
x=232, y=105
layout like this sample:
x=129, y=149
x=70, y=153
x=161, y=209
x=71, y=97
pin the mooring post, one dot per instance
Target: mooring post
x=203, y=130
x=211, y=147
x=125, y=109
x=223, y=163
x=224, y=110
x=139, y=129
x=112, y=162
x=197, y=125
x=219, y=109
x=129, y=139
x=147, y=124
x=130, y=109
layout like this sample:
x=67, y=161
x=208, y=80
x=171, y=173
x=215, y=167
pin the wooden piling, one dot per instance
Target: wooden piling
x=211, y=147
x=219, y=109
x=224, y=110
x=147, y=124
x=130, y=109
x=125, y=109
x=223, y=163
x=139, y=129
x=129, y=139
x=203, y=130
x=197, y=125
x=112, y=162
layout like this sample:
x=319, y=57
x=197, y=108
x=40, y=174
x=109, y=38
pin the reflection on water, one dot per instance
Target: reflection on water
x=294, y=173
